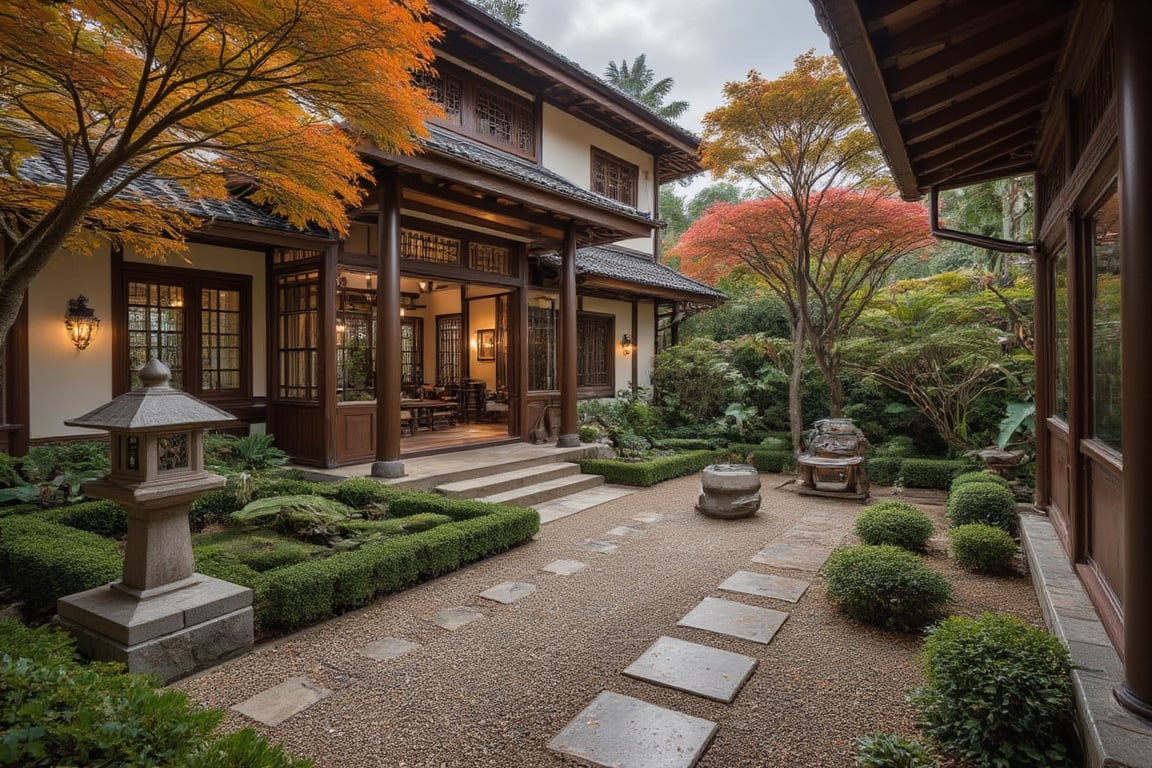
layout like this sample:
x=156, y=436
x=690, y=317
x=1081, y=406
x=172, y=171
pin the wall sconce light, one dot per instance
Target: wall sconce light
x=626, y=345
x=81, y=322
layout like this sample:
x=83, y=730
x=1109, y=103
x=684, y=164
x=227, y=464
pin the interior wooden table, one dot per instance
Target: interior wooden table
x=425, y=410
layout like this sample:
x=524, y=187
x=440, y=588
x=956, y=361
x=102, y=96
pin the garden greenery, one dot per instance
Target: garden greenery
x=983, y=548
x=890, y=750
x=895, y=522
x=983, y=503
x=886, y=586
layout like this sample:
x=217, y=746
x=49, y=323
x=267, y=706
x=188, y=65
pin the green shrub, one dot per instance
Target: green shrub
x=649, y=472
x=983, y=503
x=766, y=459
x=305, y=517
x=978, y=477
x=883, y=470
x=930, y=473
x=359, y=492
x=213, y=507
x=105, y=518
x=42, y=560
x=895, y=522
x=242, y=453
x=55, y=711
x=223, y=564
x=983, y=548
x=374, y=529
x=889, y=750
x=685, y=444
x=260, y=550
x=267, y=487
x=885, y=586
x=998, y=693
x=588, y=434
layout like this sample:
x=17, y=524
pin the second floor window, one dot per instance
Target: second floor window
x=614, y=178
x=481, y=108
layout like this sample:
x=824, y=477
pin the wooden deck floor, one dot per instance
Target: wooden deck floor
x=452, y=438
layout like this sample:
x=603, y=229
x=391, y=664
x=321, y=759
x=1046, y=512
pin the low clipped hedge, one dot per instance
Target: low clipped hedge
x=773, y=460
x=104, y=518
x=643, y=473
x=44, y=560
x=978, y=477
x=886, y=586
x=983, y=548
x=983, y=503
x=897, y=523
x=930, y=473
x=883, y=470
x=685, y=444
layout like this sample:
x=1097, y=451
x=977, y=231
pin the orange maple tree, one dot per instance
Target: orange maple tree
x=851, y=245
x=277, y=93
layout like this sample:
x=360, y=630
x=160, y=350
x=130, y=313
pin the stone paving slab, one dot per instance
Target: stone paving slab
x=603, y=547
x=765, y=585
x=452, y=619
x=557, y=509
x=617, y=731
x=564, y=567
x=693, y=668
x=623, y=530
x=726, y=617
x=801, y=557
x=508, y=592
x=280, y=702
x=387, y=648
x=648, y=518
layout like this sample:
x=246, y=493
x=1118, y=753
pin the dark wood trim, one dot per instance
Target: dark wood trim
x=1101, y=155
x=15, y=429
x=518, y=365
x=604, y=156
x=636, y=346
x=567, y=356
x=388, y=343
x=1078, y=388
x=327, y=354
x=1104, y=600
x=1043, y=354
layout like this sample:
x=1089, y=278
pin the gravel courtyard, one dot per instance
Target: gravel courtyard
x=495, y=691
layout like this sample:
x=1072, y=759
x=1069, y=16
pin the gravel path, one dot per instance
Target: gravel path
x=494, y=692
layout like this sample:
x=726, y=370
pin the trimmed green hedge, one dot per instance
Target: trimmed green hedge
x=105, y=518
x=883, y=470
x=685, y=444
x=979, y=477
x=646, y=473
x=44, y=560
x=931, y=473
x=297, y=595
x=764, y=459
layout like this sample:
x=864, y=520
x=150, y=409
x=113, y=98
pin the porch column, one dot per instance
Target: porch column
x=568, y=434
x=1132, y=30
x=388, y=462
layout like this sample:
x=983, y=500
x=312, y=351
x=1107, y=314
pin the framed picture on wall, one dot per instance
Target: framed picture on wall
x=486, y=345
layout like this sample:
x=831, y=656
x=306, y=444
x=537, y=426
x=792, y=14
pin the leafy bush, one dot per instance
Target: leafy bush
x=696, y=381
x=213, y=507
x=259, y=550
x=249, y=453
x=998, y=693
x=686, y=444
x=631, y=444
x=588, y=434
x=930, y=473
x=267, y=487
x=889, y=750
x=886, y=586
x=978, y=477
x=55, y=711
x=375, y=529
x=895, y=522
x=47, y=462
x=983, y=503
x=305, y=517
x=42, y=560
x=105, y=518
x=883, y=470
x=650, y=472
x=983, y=548
x=359, y=492
x=766, y=459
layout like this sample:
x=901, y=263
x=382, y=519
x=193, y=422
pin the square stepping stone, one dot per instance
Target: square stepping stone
x=693, y=668
x=564, y=567
x=648, y=517
x=765, y=585
x=617, y=731
x=623, y=530
x=801, y=557
x=452, y=619
x=603, y=547
x=387, y=649
x=725, y=617
x=508, y=592
x=280, y=702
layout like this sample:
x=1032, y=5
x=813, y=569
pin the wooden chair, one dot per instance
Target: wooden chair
x=407, y=423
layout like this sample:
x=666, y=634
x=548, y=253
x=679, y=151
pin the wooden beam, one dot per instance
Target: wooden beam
x=1030, y=105
x=954, y=21
x=1021, y=133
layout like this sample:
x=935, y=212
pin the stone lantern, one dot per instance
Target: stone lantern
x=161, y=617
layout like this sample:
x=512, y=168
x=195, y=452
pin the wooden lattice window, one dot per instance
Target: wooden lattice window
x=411, y=351
x=298, y=335
x=156, y=328
x=444, y=89
x=424, y=246
x=614, y=178
x=502, y=336
x=594, y=348
x=221, y=340
x=288, y=255
x=449, y=349
x=542, y=336
x=505, y=121
x=488, y=258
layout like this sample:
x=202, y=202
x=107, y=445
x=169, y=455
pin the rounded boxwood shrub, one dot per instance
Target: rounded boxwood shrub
x=359, y=492
x=886, y=586
x=978, y=477
x=889, y=750
x=983, y=503
x=895, y=522
x=983, y=548
x=998, y=693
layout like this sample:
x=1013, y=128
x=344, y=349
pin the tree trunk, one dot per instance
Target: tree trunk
x=795, y=391
x=829, y=370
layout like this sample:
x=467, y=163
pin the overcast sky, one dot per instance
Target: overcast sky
x=701, y=44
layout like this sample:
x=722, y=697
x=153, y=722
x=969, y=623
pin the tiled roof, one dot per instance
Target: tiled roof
x=49, y=169
x=628, y=266
x=446, y=142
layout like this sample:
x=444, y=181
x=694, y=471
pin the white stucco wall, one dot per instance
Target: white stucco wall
x=566, y=149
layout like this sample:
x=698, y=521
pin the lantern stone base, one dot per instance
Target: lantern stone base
x=169, y=635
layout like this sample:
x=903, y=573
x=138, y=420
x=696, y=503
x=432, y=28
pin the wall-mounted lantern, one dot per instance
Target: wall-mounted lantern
x=81, y=322
x=627, y=346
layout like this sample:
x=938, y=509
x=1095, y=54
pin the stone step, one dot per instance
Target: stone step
x=578, y=502
x=545, y=491
x=489, y=485
x=429, y=472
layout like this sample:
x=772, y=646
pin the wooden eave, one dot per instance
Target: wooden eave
x=606, y=287
x=957, y=91
x=472, y=35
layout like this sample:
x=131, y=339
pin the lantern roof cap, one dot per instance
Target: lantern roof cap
x=155, y=405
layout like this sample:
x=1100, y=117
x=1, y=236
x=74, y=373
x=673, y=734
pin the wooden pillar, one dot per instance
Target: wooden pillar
x=1132, y=29
x=635, y=346
x=1079, y=385
x=1043, y=335
x=568, y=434
x=388, y=462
